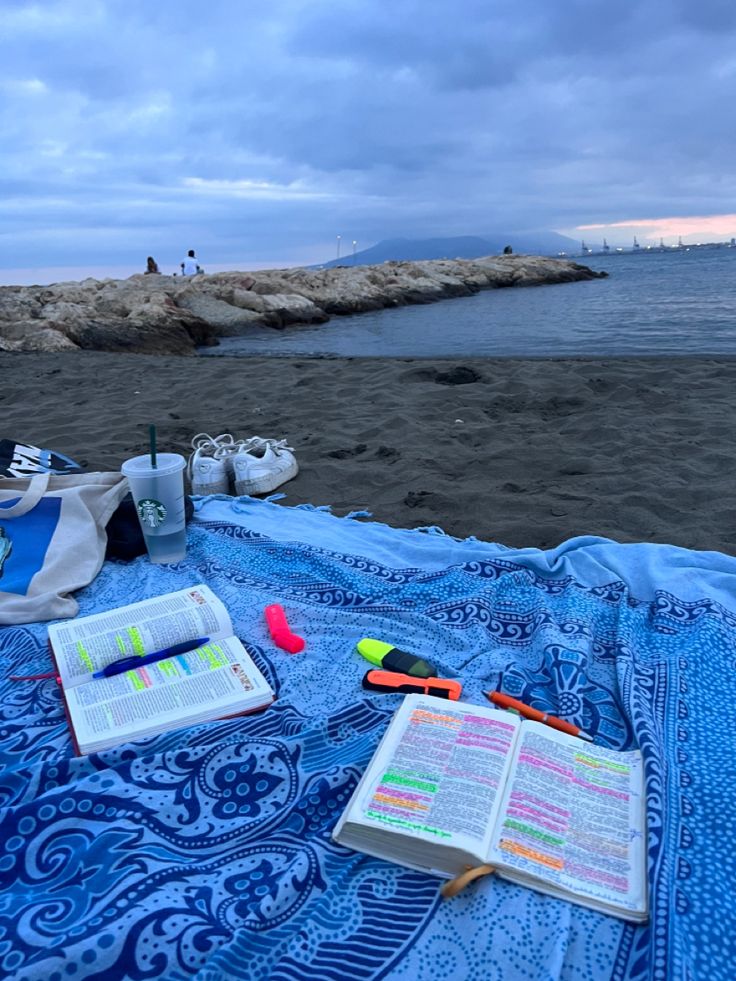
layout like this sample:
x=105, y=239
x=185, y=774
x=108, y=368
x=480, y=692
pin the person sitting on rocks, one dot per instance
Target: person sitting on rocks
x=152, y=267
x=190, y=266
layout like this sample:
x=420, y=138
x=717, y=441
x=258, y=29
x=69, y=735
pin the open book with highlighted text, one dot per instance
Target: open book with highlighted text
x=454, y=786
x=216, y=680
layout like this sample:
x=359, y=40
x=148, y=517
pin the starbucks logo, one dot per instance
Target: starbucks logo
x=152, y=513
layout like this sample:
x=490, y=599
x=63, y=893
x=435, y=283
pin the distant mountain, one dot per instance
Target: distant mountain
x=459, y=247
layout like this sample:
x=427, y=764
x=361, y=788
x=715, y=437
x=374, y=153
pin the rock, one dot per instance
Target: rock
x=65, y=313
x=175, y=315
x=45, y=339
x=291, y=308
x=246, y=300
x=227, y=319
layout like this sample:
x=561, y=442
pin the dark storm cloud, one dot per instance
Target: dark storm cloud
x=260, y=133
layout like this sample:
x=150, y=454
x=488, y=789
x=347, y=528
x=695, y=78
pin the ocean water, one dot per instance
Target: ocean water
x=652, y=303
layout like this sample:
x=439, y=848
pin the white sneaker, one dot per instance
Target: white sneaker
x=226, y=451
x=262, y=465
x=207, y=469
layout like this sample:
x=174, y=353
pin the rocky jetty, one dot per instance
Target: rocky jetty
x=175, y=315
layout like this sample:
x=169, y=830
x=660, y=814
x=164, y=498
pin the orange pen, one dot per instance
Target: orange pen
x=505, y=701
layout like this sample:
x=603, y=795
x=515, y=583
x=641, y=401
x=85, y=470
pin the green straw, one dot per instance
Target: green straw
x=152, y=435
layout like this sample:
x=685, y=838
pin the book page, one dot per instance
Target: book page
x=574, y=815
x=84, y=646
x=439, y=774
x=217, y=679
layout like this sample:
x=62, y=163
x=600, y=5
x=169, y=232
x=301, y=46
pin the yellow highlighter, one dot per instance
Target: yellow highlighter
x=390, y=658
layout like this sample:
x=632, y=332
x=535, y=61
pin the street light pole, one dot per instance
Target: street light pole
x=338, y=246
x=354, y=244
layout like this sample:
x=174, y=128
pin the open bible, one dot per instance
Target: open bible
x=213, y=681
x=454, y=786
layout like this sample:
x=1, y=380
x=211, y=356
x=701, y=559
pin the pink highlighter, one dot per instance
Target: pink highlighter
x=280, y=631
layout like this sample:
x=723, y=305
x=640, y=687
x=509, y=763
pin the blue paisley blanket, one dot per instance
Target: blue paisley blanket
x=206, y=853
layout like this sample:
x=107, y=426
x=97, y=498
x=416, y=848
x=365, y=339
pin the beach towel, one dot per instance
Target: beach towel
x=52, y=541
x=206, y=853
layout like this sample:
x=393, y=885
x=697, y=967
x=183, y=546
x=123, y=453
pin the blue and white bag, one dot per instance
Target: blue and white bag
x=52, y=541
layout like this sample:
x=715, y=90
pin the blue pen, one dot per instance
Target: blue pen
x=137, y=660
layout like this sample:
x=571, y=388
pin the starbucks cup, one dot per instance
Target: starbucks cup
x=158, y=493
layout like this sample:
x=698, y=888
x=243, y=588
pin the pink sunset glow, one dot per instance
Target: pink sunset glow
x=696, y=228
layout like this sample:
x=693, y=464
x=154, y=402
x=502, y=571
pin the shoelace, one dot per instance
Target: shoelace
x=258, y=443
x=205, y=445
x=204, y=441
x=230, y=449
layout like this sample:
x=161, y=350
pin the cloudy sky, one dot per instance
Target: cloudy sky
x=257, y=131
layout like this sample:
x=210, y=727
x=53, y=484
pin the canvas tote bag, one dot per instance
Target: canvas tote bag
x=52, y=541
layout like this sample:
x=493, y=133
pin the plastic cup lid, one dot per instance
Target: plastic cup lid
x=166, y=463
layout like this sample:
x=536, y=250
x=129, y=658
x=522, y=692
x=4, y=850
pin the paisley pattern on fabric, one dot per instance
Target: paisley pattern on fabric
x=206, y=852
